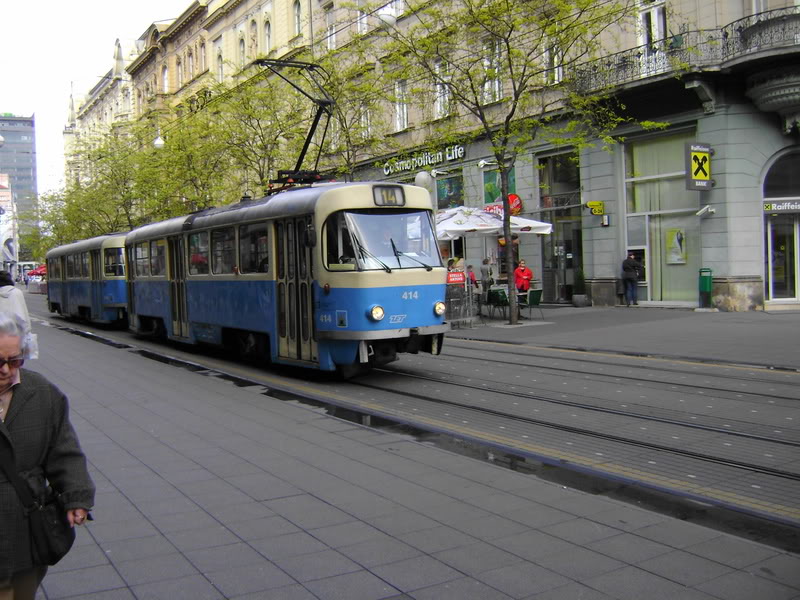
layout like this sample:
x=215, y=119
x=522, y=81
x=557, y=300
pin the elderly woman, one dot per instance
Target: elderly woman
x=36, y=433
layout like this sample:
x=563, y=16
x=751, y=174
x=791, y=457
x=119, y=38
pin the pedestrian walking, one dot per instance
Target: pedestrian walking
x=12, y=300
x=631, y=269
x=40, y=453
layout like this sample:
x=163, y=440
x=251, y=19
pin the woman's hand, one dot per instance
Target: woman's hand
x=77, y=516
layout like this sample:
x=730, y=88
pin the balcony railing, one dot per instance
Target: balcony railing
x=692, y=50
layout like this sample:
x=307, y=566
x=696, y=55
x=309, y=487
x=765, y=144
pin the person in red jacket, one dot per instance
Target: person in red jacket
x=522, y=277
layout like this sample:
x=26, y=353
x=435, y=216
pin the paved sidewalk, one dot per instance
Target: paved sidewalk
x=207, y=490
x=762, y=338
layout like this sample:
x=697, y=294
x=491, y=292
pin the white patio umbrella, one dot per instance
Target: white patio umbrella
x=455, y=222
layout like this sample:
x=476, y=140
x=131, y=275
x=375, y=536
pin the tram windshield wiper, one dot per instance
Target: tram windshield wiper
x=398, y=254
x=364, y=252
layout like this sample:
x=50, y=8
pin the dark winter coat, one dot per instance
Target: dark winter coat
x=631, y=268
x=44, y=446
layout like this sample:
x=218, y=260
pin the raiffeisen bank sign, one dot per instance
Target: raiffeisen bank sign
x=424, y=159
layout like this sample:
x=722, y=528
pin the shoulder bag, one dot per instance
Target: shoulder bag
x=51, y=534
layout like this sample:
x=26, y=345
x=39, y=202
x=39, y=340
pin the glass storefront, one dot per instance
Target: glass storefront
x=562, y=250
x=782, y=229
x=661, y=224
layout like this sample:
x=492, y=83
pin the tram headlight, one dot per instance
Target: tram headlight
x=375, y=312
x=439, y=308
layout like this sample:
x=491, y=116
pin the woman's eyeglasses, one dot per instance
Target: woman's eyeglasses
x=15, y=362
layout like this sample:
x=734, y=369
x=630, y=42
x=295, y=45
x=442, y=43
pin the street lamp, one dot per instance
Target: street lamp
x=158, y=143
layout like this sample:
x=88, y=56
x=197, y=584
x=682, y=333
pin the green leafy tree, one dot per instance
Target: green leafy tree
x=508, y=72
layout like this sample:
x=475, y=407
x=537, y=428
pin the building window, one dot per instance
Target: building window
x=401, y=105
x=652, y=24
x=165, y=79
x=126, y=101
x=190, y=62
x=442, y=104
x=298, y=17
x=554, y=62
x=241, y=53
x=365, y=120
x=267, y=37
x=179, y=69
x=220, y=68
x=362, y=20
x=330, y=28
x=202, y=58
x=491, y=66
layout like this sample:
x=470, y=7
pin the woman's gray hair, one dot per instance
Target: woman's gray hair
x=13, y=325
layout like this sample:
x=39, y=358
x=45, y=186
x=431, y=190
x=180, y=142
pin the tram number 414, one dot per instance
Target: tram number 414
x=410, y=295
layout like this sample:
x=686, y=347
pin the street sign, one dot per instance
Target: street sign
x=596, y=207
x=698, y=166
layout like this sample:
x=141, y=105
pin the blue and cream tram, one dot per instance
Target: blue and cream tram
x=331, y=276
x=86, y=279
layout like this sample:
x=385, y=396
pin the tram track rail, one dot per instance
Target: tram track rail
x=673, y=384
x=590, y=407
x=752, y=467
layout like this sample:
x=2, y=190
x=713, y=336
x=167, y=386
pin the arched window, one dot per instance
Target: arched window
x=253, y=39
x=165, y=79
x=190, y=65
x=220, y=70
x=298, y=17
x=267, y=37
x=241, y=53
x=179, y=69
x=202, y=58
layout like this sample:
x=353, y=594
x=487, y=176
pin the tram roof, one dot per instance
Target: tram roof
x=297, y=201
x=100, y=241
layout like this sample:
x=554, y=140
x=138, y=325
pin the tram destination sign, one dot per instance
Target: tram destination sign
x=782, y=206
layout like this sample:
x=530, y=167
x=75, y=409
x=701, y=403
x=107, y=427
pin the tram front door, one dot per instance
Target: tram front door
x=177, y=288
x=294, y=290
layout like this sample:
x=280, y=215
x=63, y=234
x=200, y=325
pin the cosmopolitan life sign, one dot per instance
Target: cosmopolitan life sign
x=424, y=159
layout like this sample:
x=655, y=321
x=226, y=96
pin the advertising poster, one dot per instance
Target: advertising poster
x=676, y=246
x=449, y=192
x=491, y=185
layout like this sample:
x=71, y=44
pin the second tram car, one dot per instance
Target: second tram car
x=86, y=279
x=335, y=276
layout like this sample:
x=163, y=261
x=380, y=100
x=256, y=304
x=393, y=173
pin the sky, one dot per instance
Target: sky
x=49, y=49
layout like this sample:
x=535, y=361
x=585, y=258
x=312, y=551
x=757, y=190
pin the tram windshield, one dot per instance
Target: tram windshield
x=372, y=240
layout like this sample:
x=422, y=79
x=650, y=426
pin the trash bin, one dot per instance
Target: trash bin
x=705, y=288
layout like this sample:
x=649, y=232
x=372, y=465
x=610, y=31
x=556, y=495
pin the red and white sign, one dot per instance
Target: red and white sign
x=514, y=203
x=456, y=277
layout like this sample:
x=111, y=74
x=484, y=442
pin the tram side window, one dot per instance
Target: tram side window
x=54, y=269
x=253, y=248
x=142, y=259
x=338, y=244
x=158, y=257
x=114, y=267
x=198, y=253
x=223, y=250
x=84, y=262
